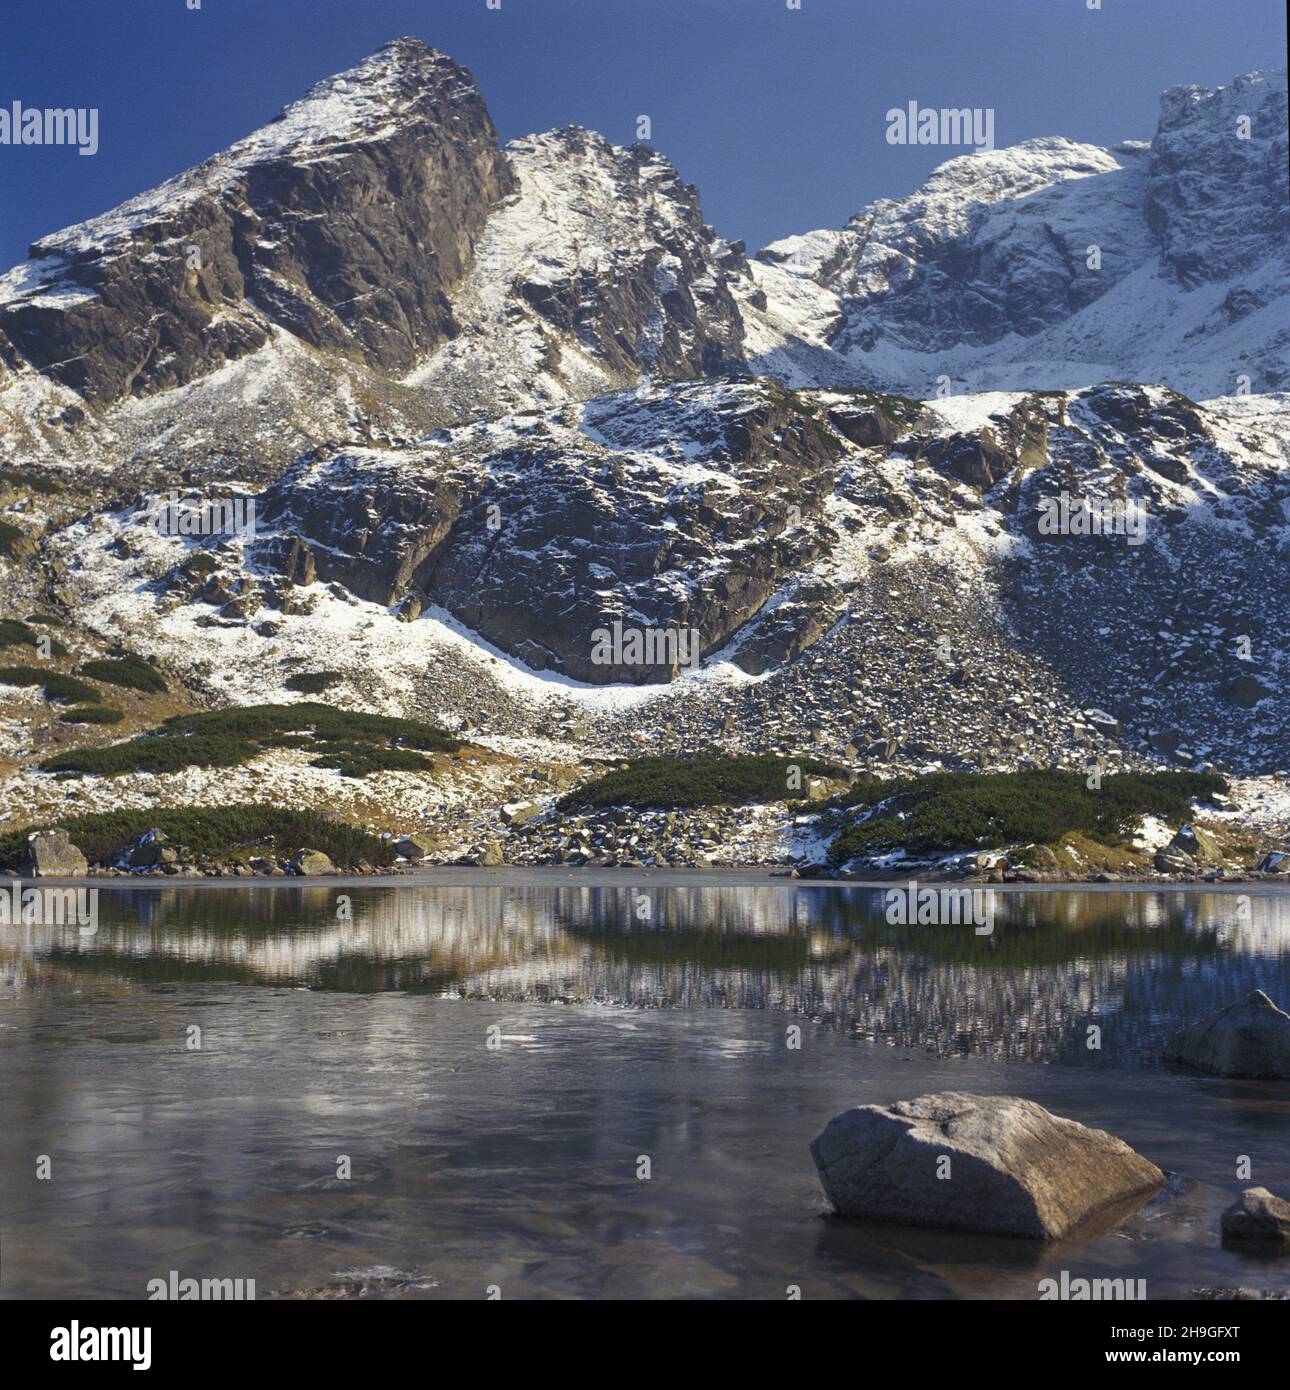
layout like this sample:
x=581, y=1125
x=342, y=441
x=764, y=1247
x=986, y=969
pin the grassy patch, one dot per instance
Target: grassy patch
x=221, y=832
x=91, y=714
x=961, y=810
x=32, y=482
x=323, y=721
x=707, y=780
x=45, y=619
x=56, y=685
x=16, y=634
x=129, y=670
x=354, y=743
x=11, y=537
x=313, y=682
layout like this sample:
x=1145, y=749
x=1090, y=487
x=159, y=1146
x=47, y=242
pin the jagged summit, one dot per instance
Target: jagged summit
x=400, y=81
x=1052, y=264
x=371, y=260
x=346, y=222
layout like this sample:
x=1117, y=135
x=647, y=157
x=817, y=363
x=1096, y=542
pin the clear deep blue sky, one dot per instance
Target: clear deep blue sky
x=777, y=115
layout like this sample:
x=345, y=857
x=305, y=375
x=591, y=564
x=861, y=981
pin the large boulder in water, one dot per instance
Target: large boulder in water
x=1250, y=1040
x=1258, y=1215
x=51, y=854
x=996, y=1164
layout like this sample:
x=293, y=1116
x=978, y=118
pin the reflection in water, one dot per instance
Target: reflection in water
x=366, y=1033
x=1134, y=963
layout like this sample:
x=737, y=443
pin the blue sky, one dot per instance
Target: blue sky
x=777, y=114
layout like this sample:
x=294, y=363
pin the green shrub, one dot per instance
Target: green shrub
x=149, y=753
x=22, y=675
x=217, y=832
x=354, y=743
x=312, y=682
x=704, y=780
x=323, y=721
x=45, y=619
x=33, y=482
x=16, y=634
x=961, y=810
x=56, y=685
x=358, y=759
x=130, y=671
x=91, y=714
x=69, y=689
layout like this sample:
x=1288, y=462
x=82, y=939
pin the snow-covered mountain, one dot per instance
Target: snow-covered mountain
x=371, y=264
x=913, y=605
x=489, y=400
x=371, y=261
x=1053, y=264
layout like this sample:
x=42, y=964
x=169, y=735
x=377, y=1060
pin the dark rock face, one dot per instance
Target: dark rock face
x=347, y=222
x=1184, y=618
x=655, y=307
x=667, y=512
x=782, y=634
x=993, y=243
x=1216, y=190
x=599, y=270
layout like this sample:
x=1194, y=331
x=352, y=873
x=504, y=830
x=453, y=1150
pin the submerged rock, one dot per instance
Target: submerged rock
x=996, y=1164
x=1258, y=1215
x=51, y=854
x=1249, y=1040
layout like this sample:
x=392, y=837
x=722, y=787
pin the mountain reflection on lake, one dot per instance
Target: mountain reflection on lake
x=1135, y=963
x=492, y=1063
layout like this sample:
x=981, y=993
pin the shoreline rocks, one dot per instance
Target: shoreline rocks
x=994, y=1164
x=1248, y=1041
x=311, y=862
x=51, y=854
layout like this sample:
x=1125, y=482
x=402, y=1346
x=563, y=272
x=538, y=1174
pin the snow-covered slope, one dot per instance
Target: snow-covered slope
x=913, y=606
x=1052, y=264
x=597, y=271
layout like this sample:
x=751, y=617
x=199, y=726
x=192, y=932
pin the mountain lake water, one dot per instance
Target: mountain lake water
x=496, y=1068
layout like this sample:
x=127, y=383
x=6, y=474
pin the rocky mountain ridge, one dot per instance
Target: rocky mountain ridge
x=375, y=245
x=490, y=401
